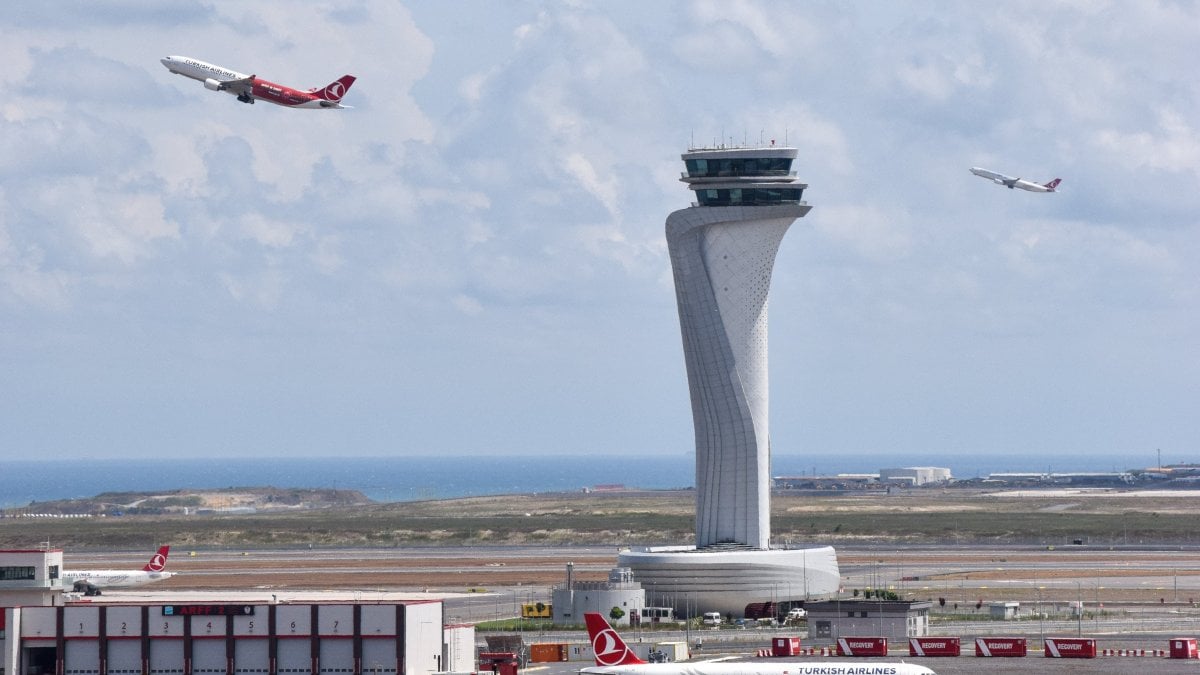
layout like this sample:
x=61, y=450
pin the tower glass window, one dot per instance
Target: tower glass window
x=738, y=166
x=19, y=573
x=749, y=196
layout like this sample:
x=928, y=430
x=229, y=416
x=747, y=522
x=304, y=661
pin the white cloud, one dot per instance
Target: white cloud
x=467, y=305
x=23, y=277
x=876, y=234
x=502, y=182
x=1173, y=145
x=270, y=232
x=109, y=221
x=263, y=289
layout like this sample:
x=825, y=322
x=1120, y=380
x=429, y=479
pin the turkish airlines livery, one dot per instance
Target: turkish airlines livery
x=614, y=657
x=153, y=571
x=1010, y=182
x=249, y=88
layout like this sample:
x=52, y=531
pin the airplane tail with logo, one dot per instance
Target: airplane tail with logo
x=607, y=646
x=159, y=561
x=1052, y=184
x=334, y=91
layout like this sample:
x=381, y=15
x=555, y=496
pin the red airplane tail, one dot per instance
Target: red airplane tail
x=159, y=561
x=608, y=647
x=334, y=91
x=1053, y=184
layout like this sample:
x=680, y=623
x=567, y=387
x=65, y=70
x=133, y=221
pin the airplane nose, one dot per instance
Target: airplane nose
x=165, y=61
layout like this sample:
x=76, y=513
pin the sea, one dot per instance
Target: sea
x=412, y=478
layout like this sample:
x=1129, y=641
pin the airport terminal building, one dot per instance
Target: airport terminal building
x=46, y=631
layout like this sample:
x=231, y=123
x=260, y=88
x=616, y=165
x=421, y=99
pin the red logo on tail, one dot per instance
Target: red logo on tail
x=1054, y=183
x=159, y=562
x=607, y=646
x=336, y=90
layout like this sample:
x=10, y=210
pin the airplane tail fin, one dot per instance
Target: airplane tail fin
x=334, y=91
x=159, y=562
x=607, y=646
x=1053, y=184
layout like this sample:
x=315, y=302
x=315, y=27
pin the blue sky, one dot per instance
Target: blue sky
x=472, y=259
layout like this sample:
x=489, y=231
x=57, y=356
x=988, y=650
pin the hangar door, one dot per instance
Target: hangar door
x=40, y=659
x=337, y=655
x=294, y=656
x=82, y=657
x=124, y=657
x=166, y=657
x=208, y=656
x=251, y=656
x=379, y=656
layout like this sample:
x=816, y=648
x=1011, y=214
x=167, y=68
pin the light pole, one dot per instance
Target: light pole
x=1041, y=618
x=687, y=610
x=1078, y=609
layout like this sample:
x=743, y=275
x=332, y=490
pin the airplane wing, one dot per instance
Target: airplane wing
x=242, y=87
x=998, y=178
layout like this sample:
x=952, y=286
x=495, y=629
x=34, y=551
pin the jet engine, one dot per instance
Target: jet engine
x=997, y=181
x=212, y=84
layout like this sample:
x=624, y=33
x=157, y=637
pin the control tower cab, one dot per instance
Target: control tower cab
x=743, y=176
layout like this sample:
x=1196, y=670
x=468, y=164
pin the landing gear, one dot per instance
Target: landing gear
x=246, y=98
x=86, y=587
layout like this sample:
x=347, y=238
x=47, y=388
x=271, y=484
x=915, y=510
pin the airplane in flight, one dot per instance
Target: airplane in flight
x=1010, y=182
x=614, y=657
x=92, y=581
x=249, y=88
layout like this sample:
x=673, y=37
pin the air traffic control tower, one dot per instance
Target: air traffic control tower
x=722, y=253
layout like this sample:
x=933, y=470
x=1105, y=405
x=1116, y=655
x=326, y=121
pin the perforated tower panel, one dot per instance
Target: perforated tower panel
x=723, y=252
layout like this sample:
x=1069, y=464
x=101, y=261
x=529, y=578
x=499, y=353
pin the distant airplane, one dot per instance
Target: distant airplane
x=614, y=657
x=92, y=581
x=1010, y=182
x=248, y=88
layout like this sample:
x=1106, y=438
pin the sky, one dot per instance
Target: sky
x=472, y=259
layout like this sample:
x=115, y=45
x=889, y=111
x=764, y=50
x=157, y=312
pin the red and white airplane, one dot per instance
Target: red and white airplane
x=92, y=580
x=249, y=88
x=1010, y=182
x=614, y=657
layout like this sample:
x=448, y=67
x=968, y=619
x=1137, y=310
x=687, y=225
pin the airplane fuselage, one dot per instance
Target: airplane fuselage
x=762, y=668
x=113, y=578
x=614, y=657
x=1010, y=182
x=253, y=88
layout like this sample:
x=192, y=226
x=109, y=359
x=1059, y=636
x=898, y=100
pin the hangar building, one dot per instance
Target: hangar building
x=44, y=631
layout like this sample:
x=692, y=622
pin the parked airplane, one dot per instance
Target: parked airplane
x=93, y=580
x=1010, y=182
x=614, y=657
x=249, y=88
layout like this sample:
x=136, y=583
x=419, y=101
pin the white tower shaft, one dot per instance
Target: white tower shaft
x=722, y=255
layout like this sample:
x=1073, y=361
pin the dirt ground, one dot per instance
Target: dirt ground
x=1015, y=575
x=404, y=571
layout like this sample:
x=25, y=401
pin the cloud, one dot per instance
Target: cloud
x=875, y=234
x=1173, y=145
x=24, y=280
x=499, y=191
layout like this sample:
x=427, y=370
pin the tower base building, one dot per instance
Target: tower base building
x=694, y=581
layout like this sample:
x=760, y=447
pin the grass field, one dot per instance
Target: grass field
x=640, y=518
